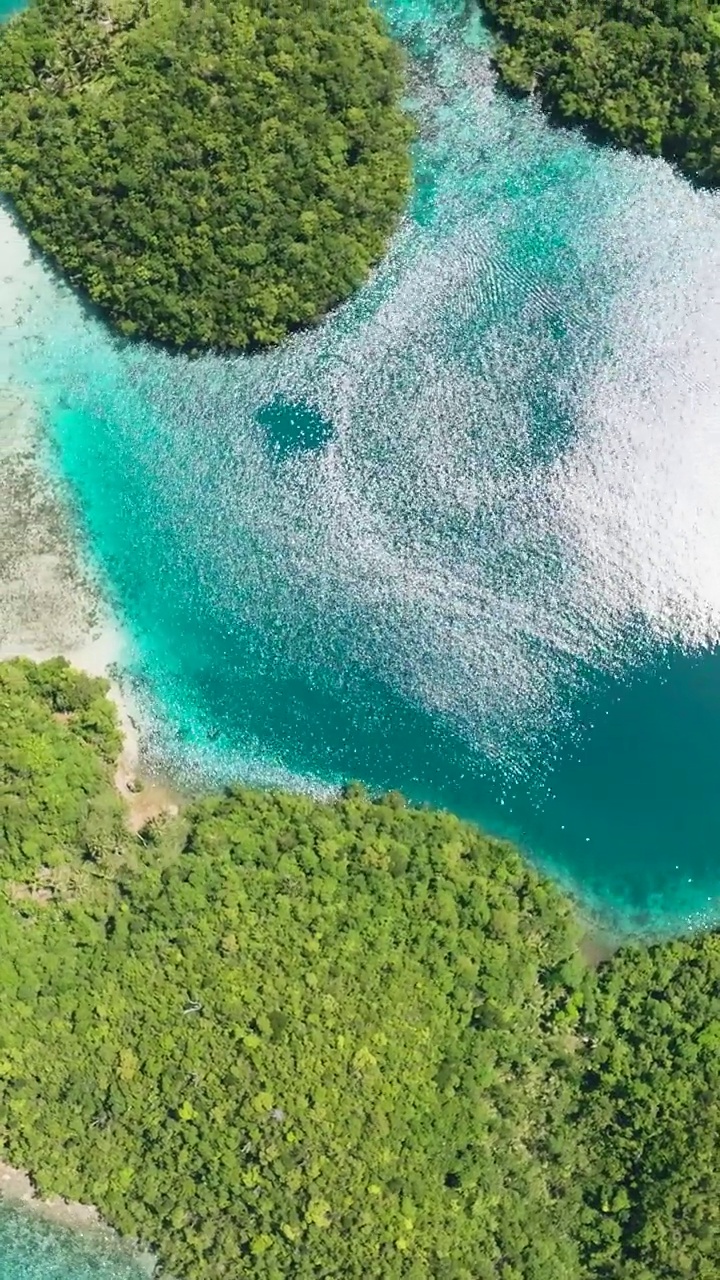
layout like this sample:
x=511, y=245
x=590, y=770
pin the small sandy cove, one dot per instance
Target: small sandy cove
x=16, y=1189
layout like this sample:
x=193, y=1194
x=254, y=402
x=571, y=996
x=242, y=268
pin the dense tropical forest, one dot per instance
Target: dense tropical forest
x=217, y=174
x=644, y=74
x=284, y=1038
x=210, y=174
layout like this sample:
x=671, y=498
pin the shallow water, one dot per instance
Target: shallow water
x=463, y=538
x=31, y=1249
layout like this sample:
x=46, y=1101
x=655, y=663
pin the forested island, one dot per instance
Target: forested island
x=217, y=175
x=276, y=1037
x=209, y=175
x=644, y=75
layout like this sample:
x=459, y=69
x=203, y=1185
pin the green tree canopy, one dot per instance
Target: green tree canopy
x=209, y=172
x=282, y=1038
x=644, y=73
x=649, y=1108
x=59, y=739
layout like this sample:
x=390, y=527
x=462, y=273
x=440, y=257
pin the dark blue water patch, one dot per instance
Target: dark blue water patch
x=293, y=427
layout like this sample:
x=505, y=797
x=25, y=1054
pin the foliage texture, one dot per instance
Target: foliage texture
x=645, y=73
x=59, y=737
x=650, y=1112
x=286, y=1038
x=281, y=1038
x=214, y=172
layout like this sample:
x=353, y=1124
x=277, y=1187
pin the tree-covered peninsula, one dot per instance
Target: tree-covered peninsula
x=209, y=174
x=642, y=73
x=281, y=1038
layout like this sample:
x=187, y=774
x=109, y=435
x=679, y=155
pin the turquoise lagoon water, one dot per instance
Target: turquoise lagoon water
x=34, y=1250
x=461, y=539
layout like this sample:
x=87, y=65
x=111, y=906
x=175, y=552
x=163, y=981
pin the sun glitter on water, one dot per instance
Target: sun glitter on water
x=459, y=540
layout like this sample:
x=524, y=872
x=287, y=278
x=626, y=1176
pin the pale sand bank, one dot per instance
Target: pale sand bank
x=50, y=603
x=24, y=280
x=17, y=1189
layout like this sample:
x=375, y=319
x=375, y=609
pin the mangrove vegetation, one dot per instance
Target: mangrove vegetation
x=642, y=73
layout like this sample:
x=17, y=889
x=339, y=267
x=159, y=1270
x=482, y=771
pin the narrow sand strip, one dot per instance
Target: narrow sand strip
x=49, y=602
x=16, y=1188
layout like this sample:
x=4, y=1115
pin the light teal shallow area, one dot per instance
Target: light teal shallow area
x=34, y=1250
x=462, y=539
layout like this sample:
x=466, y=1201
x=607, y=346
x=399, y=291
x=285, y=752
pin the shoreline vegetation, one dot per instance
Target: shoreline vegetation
x=18, y=1193
x=259, y=1031
x=646, y=77
x=209, y=176
x=346, y=1037
x=16, y=1189
x=49, y=601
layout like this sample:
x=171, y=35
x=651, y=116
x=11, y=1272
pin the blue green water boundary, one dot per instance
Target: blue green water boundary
x=373, y=553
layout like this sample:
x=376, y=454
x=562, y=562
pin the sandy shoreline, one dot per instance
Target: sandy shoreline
x=49, y=602
x=16, y=1190
x=50, y=605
